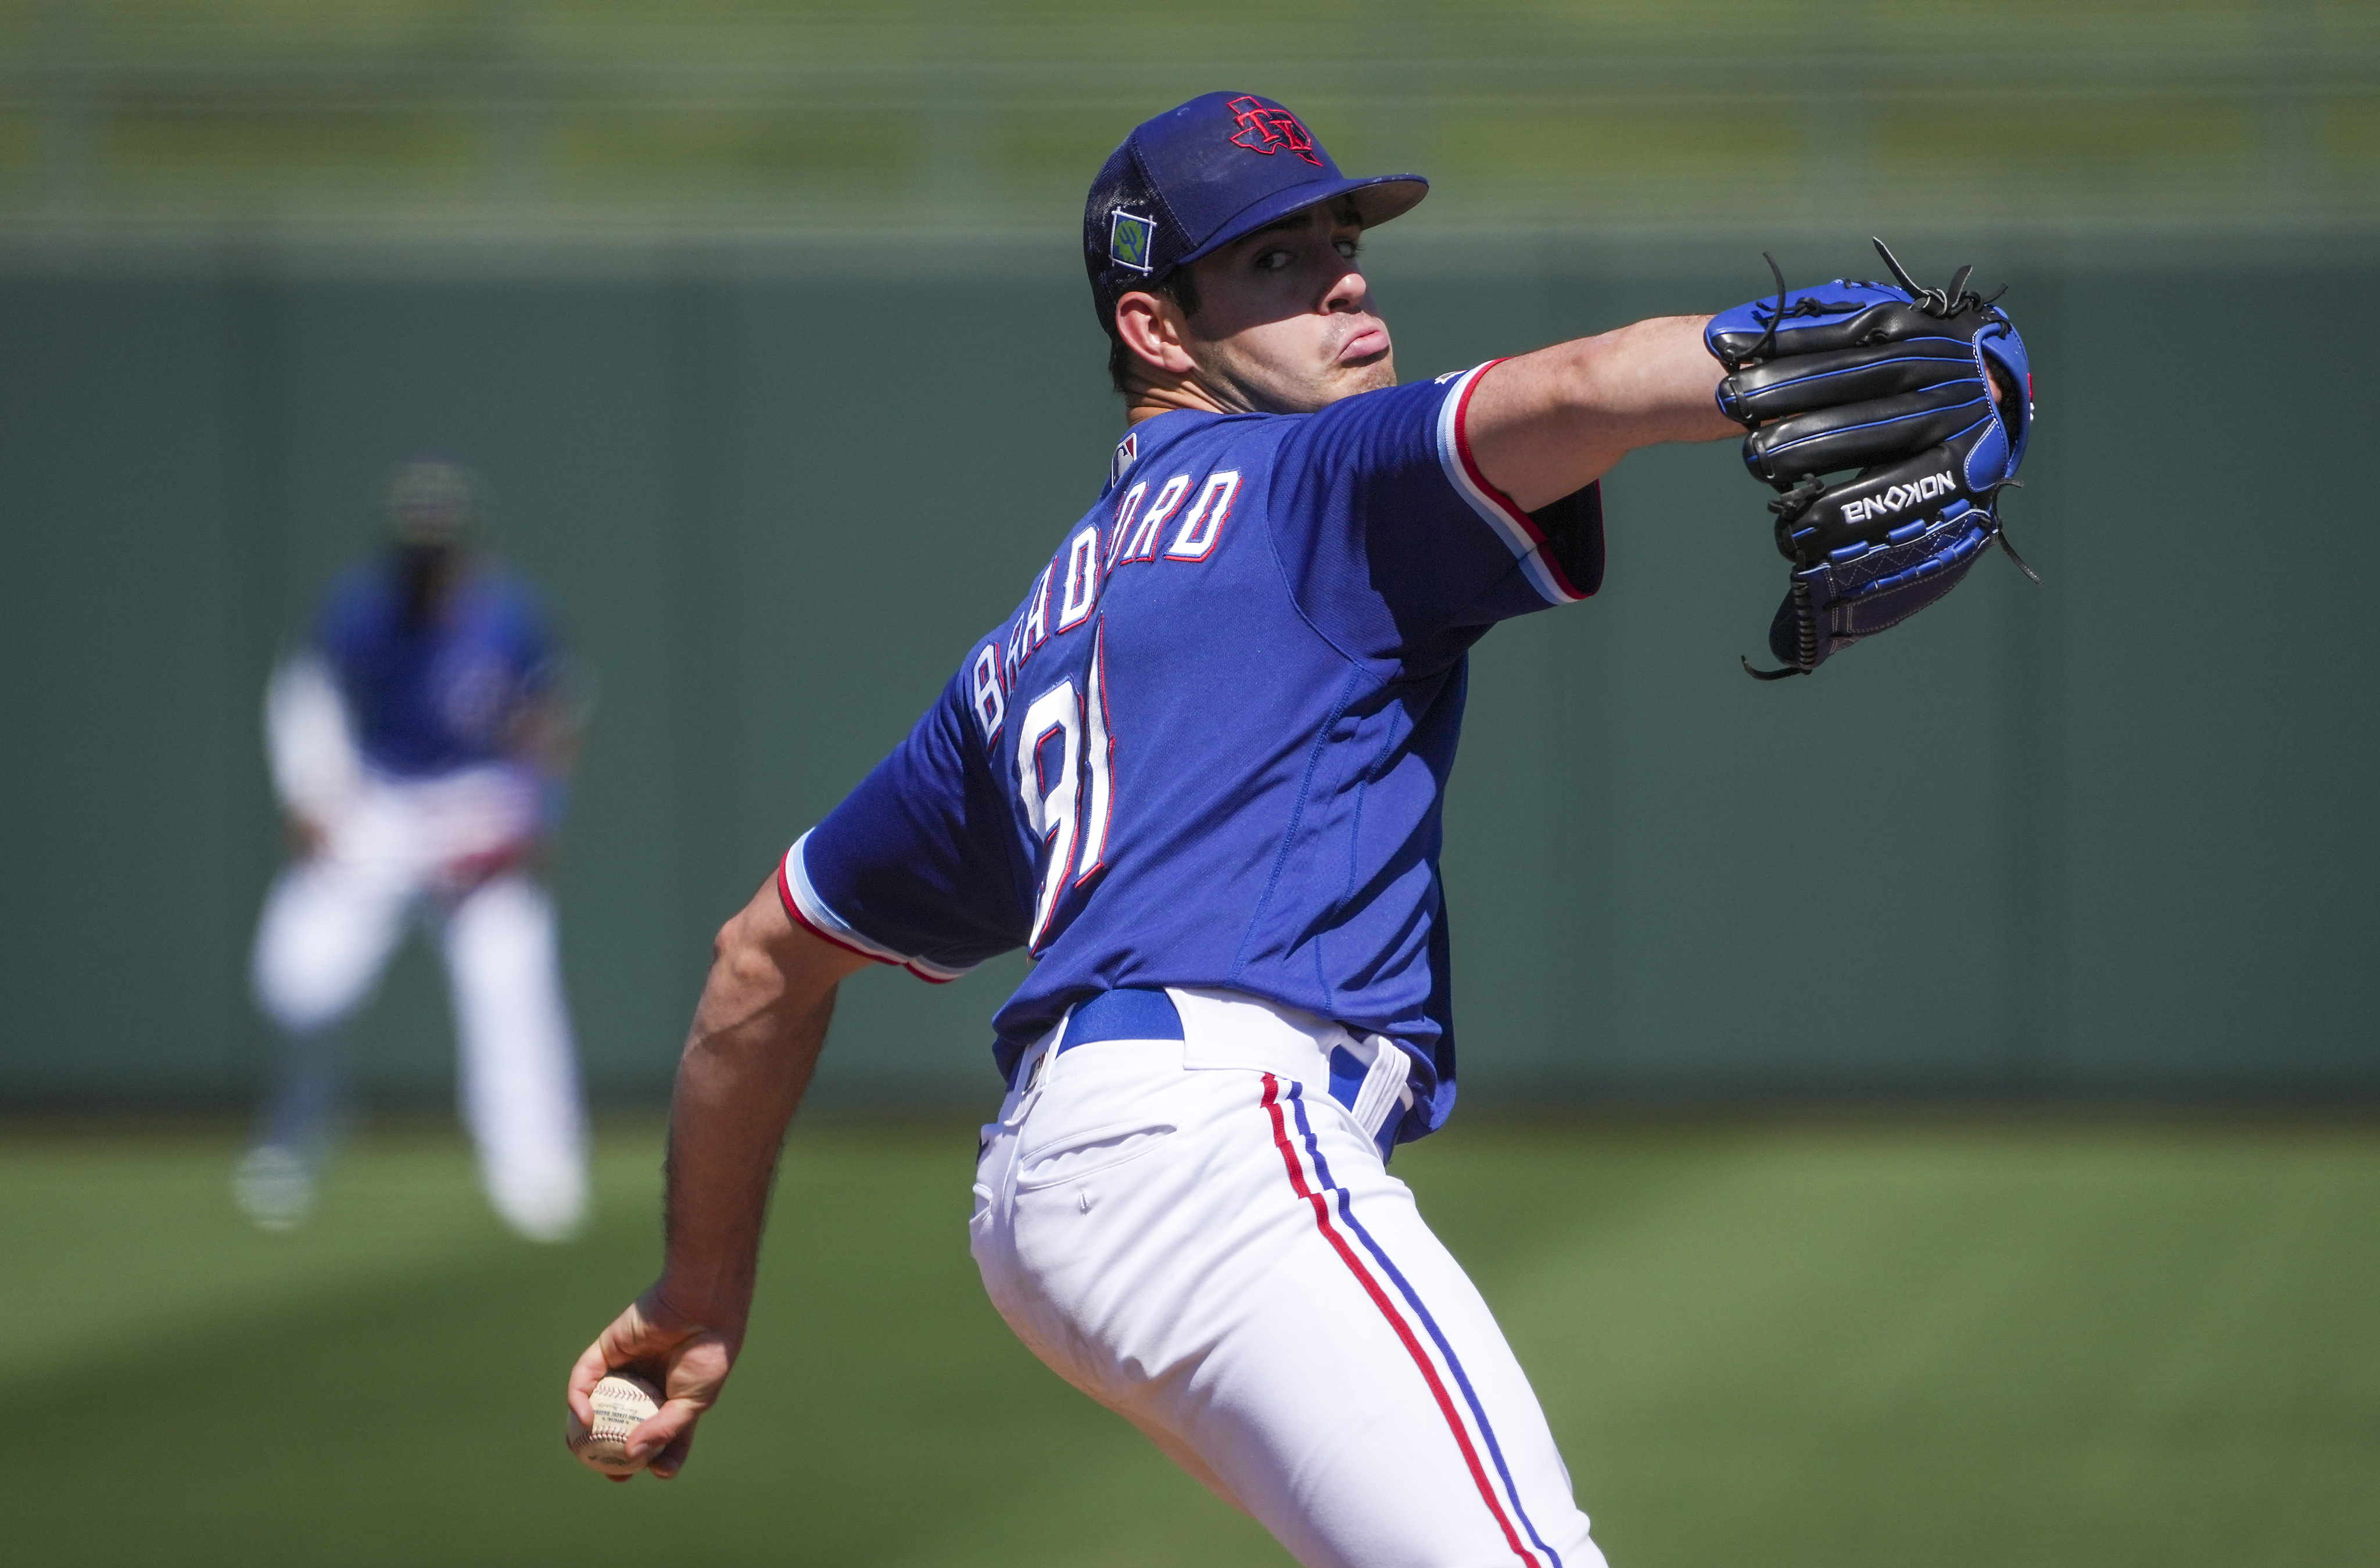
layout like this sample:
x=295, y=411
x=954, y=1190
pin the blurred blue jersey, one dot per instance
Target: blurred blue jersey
x=1210, y=747
x=430, y=699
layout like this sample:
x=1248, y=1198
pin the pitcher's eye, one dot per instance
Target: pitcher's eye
x=1273, y=260
x=1347, y=248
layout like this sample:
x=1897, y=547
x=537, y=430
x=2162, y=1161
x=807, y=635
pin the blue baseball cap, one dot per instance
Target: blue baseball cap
x=1195, y=178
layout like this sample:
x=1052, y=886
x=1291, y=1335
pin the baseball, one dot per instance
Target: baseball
x=620, y=1401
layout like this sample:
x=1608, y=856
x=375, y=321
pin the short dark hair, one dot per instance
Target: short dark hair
x=1177, y=285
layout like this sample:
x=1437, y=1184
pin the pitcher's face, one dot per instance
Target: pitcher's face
x=1285, y=323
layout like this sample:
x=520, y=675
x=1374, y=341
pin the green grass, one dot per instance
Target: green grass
x=2024, y=1342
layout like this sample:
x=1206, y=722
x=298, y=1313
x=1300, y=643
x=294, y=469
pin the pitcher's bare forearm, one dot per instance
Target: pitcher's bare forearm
x=756, y=1037
x=1545, y=424
x=748, y=1058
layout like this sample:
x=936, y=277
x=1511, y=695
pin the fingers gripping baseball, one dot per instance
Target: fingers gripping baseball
x=685, y=1359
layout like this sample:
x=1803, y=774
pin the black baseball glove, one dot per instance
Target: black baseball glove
x=1926, y=392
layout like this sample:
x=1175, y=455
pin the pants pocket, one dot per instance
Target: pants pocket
x=1077, y=1154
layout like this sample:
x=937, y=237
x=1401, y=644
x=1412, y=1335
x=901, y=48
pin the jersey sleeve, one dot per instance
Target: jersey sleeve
x=916, y=867
x=1392, y=538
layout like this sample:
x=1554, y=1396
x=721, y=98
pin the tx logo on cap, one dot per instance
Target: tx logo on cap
x=1267, y=130
x=1129, y=236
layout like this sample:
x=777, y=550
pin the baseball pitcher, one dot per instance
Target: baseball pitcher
x=1199, y=774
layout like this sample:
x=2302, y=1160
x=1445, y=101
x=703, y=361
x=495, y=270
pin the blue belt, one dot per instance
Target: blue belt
x=1127, y=1013
x=1132, y=1013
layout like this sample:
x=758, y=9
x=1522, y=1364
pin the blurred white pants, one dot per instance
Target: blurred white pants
x=333, y=920
x=1197, y=1235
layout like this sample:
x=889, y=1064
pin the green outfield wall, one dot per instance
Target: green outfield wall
x=2110, y=836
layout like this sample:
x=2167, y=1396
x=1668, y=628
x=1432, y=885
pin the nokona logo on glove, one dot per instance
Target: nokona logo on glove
x=1901, y=497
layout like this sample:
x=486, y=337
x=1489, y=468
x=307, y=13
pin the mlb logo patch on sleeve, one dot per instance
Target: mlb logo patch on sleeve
x=1129, y=235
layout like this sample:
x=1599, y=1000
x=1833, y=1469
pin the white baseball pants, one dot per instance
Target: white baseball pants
x=330, y=926
x=1195, y=1235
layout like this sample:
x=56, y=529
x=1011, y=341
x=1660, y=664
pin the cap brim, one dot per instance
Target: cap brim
x=1377, y=200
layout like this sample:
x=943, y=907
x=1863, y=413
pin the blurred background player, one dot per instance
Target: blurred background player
x=419, y=741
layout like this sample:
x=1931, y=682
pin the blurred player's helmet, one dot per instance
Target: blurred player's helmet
x=430, y=501
x=1199, y=176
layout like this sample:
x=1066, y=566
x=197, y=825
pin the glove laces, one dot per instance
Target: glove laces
x=1779, y=314
x=1948, y=301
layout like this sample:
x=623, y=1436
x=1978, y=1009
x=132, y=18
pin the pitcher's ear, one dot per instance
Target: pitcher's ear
x=1152, y=331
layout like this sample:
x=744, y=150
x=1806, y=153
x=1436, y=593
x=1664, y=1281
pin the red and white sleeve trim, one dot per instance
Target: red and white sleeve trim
x=1513, y=526
x=807, y=908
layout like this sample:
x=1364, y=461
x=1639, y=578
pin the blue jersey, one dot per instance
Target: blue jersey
x=427, y=700
x=1210, y=747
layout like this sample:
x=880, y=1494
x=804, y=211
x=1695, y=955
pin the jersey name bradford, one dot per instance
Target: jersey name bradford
x=1078, y=573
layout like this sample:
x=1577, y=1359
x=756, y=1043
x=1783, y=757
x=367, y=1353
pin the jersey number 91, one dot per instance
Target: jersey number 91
x=1069, y=815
